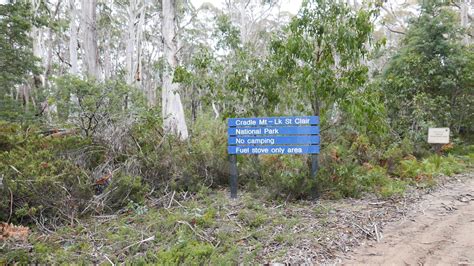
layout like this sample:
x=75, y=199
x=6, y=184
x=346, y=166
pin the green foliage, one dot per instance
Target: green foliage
x=426, y=169
x=124, y=189
x=286, y=176
x=228, y=34
x=16, y=56
x=377, y=180
x=428, y=81
x=12, y=111
x=90, y=105
x=40, y=174
x=357, y=165
x=188, y=252
x=188, y=166
x=321, y=55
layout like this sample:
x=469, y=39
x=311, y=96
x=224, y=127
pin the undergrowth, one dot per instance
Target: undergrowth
x=204, y=228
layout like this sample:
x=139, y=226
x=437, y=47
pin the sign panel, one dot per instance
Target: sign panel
x=273, y=140
x=438, y=135
x=291, y=130
x=313, y=149
x=274, y=121
x=272, y=135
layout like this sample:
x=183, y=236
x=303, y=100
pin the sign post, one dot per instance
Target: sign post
x=314, y=172
x=272, y=135
x=438, y=136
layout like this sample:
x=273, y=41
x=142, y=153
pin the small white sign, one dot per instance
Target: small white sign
x=438, y=135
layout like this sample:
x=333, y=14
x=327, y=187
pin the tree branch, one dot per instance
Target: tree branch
x=394, y=31
x=62, y=59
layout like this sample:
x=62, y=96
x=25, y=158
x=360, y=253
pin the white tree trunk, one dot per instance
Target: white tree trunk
x=107, y=57
x=133, y=40
x=139, y=44
x=91, y=52
x=130, y=41
x=464, y=19
x=73, y=37
x=243, y=21
x=37, y=38
x=172, y=107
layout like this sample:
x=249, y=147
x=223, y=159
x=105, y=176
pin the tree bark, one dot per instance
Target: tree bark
x=91, y=51
x=172, y=107
x=73, y=28
x=464, y=19
x=130, y=41
x=243, y=21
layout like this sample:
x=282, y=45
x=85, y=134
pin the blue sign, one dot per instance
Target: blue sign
x=273, y=149
x=274, y=140
x=291, y=130
x=274, y=121
x=274, y=135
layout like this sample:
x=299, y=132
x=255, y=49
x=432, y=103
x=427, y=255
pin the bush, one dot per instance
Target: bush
x=40, y=176
x=338, y=172
x=378, y=181
x=428, y=168
x=286, y=176
x=123, y=189
x=168, y=162
x=186, y=252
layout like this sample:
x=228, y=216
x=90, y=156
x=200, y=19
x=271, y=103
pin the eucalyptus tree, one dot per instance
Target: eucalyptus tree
x=172, y=108
x=254, y=19
x=89, y=38
x=17, y=62
x=16, y=50
x=429, y=81
x=73, y=31
x=228, y=71
x=318, y=59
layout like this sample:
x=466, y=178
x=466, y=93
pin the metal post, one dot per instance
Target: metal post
x=314, y=173
x=233, y=175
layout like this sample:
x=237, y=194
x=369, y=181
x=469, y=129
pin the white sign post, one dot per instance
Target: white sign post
x=438, y=135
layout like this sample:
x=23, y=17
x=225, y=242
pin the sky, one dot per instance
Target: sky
x=291, y=6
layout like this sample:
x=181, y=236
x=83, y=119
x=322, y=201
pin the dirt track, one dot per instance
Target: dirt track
x=439, y=230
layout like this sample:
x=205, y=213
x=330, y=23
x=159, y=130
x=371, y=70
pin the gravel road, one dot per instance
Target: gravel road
x=439, y=231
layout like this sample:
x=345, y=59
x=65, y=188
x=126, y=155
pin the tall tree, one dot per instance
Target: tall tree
x=73, y=29
x=89, y=35
x=429, y=81
x=320, y=57
x=172, y=107
x=17, y=61
x=16, y=53
x=464, y=19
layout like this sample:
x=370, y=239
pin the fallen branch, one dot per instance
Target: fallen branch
x=151, y=238
x=377, y=203
x=199, y=235
x=377, y=237
x=16, y=170
x=171, y=200
x=364, y=230
x=11, y=205
x=107, y=258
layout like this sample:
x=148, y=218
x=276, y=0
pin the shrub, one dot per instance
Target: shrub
x=287, y=176
x=378, y=181
x=186, y=252
x=428, y=168
x=165, y=160
x=395, y=153
x=124, y=189
x=40, y=176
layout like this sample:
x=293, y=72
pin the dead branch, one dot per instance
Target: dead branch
x=198, y=234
